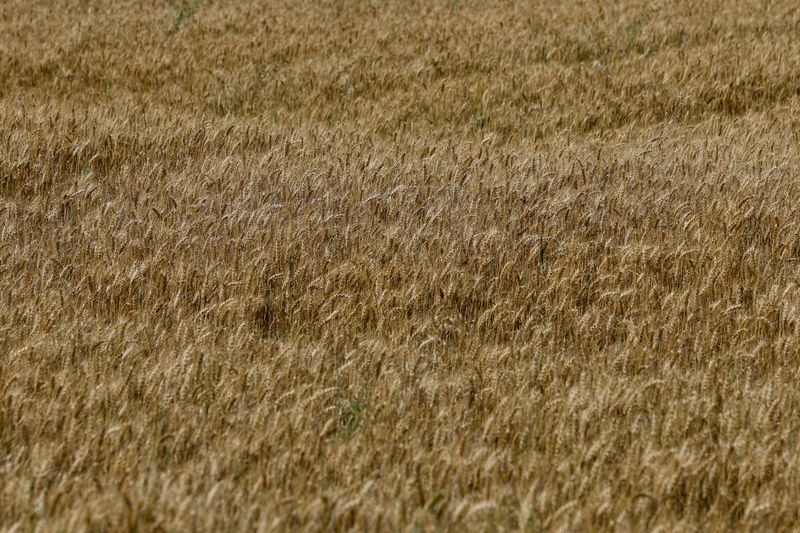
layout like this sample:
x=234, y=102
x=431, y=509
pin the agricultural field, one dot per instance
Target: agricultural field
x=399, y=265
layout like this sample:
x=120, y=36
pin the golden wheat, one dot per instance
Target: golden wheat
x=386, y=265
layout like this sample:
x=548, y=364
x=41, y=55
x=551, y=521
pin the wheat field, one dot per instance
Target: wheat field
x=387, y=265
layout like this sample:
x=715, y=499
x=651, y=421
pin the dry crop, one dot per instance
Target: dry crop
x=396, y=265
